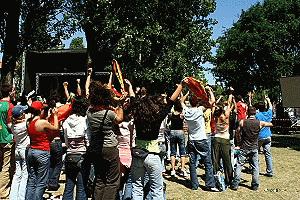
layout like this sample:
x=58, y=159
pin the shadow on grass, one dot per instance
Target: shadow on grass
x=284, y=141
x=181, y=181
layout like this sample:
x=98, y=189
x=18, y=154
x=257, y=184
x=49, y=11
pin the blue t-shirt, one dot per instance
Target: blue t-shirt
x=266, y=117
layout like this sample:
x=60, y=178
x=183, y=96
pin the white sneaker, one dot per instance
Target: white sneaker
x=173, y=173
x=214, y=189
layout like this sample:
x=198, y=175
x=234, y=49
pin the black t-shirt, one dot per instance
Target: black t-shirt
x=176, y=122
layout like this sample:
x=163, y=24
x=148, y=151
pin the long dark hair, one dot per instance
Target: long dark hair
x=100, y=94
x=146, y=109
x=79, y=106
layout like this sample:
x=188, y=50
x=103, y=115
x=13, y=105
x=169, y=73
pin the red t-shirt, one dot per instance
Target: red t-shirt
x=39, y=140
x=241, y=110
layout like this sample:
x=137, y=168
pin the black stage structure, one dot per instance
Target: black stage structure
x=46, y=71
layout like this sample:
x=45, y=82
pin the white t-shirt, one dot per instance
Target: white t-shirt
x=196, y=124
x=21, y=137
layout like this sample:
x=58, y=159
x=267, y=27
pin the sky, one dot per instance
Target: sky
x=227, y=12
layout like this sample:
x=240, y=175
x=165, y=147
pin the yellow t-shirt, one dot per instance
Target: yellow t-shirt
x=207, y=119
x=150, y=145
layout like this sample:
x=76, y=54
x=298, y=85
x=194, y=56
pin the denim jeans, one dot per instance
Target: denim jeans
x=38, y=164
x=56, y=164
x=151, y=165
x=125, y=192
x=253, y=158
x=196, y=149
x=19, y=182
x=266, y=144
x=177, y=138
x=75, y=175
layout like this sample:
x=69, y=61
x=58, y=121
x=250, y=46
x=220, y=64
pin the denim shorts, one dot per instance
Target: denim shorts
x=177, y=138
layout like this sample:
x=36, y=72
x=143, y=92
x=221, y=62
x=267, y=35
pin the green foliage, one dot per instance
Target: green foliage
x=154, y=41
x=77, y=43
x=262, y=46
x=44, y=25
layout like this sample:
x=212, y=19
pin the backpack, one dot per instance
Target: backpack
x=220, y=181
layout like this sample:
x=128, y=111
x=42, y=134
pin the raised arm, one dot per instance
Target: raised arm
x=230, y=107
x=176, y=93
x=130, y=88
x=212, y=99
x=183, y=98
x=119, y=117
x=88, y=82
x=47, y=126
x=65, y=84
x=268, y=102
x=109, y=84
x=78, y=87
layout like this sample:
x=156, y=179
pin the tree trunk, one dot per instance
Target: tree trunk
x=10, y=42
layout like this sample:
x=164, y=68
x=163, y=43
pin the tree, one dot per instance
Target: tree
x=11, y=13
x=262, y=46
x=77, y=43
x=42, y=26
x=154, y=41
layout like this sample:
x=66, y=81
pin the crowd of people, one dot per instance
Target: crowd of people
x=116, y=146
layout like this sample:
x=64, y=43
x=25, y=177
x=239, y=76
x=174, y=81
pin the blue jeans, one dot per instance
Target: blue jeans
x=177, y=138
x=266, y=144
x=19, y=182
x=75, y=175
x=151, y=165
x=38, y=163
x=196, y=149
x=56, y=163
x=253, y=158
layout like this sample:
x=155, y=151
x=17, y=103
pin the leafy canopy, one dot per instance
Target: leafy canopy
x=262, y=46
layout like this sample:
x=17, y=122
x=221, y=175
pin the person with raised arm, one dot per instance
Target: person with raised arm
x=103, y=151
x=148, y=113
x=41, y=134
x=88, y=82
x=264, y=138
x=221, y=143
x=198, y=144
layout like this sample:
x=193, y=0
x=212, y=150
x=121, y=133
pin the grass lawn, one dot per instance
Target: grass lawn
x=284, y=185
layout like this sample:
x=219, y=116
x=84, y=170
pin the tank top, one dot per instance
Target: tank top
x=38, y=140
x=176, y=122
x=222, y=130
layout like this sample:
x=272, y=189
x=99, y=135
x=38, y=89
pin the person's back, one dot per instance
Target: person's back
x=266, y=116
x=22, y=141
x=195, y=120
x=250, y=131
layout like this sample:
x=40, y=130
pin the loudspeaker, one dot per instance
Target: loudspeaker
x=290, y=89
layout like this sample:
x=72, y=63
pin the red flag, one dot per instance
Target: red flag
x=197, y=88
